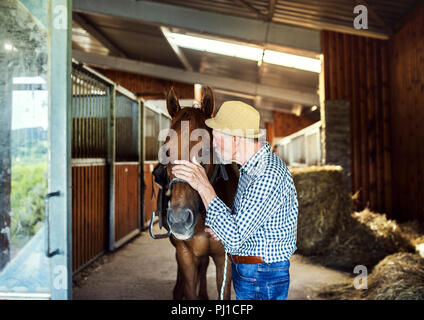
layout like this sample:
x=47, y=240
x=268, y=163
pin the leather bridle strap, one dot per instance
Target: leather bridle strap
x=218, y=167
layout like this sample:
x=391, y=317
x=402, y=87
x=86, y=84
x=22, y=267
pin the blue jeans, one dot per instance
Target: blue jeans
x=262, y=281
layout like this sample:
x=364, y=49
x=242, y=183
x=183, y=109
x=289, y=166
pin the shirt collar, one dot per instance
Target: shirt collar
x=251, y=164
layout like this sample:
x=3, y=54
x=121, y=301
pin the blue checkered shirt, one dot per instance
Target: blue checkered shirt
x=263, y=220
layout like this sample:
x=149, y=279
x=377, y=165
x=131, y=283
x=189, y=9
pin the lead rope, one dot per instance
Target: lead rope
x=223, y=175
x=224, y=280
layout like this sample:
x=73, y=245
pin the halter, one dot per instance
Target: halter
x=218, y=168
x=219, y=171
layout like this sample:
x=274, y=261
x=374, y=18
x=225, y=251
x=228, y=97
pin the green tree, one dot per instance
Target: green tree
x=29, y=186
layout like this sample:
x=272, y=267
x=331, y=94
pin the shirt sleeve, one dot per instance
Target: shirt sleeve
x=259, y=201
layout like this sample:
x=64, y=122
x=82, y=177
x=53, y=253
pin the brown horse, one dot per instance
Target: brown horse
x=183, y=212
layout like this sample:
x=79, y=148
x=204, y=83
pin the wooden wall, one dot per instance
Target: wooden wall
x=151, y=88
x=356, y=70
x=407, y=95
x=89, y=214
x=285, y=124
x=384, y=82
x=269, y=126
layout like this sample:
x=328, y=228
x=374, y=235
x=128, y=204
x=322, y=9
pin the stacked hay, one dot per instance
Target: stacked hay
x=331, y=233
x=323, y=202
x=397, y=277
x=414, y=231
x=364, y=238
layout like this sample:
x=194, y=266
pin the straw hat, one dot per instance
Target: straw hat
x=237, y=118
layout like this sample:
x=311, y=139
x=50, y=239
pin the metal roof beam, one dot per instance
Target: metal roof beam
x=271, y=9
x=251, y=8
x=221, y=25
x=164, y=72
x=97, y=34
x=178, y=52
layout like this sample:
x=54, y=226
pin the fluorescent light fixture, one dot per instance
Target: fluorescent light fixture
x=216, y=46
x=245, y=52
x=292, y=61
x=28, y=80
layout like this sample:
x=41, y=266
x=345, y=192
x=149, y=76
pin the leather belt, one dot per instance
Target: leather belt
x=246, y=259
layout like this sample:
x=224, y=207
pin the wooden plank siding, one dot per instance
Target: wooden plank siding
x=149, y=87
x=407, y=116
x=89, y=214
x=127, y=215
x=284, y=124
x=355, y=69
x=384, y=82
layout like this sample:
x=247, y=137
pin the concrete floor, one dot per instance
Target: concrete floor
x=146, y=269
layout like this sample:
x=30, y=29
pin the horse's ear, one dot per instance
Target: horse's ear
x=172, y=103
x=208, y=102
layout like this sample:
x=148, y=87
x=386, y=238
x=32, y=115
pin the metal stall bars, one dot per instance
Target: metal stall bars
x=302, y=148
x=156, y=119
x=127, y=175
x=91, y=102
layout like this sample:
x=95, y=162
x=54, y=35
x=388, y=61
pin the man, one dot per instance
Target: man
x=259, y=232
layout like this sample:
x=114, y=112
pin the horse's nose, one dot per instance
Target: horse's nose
x=184, y=217
x=190, y=218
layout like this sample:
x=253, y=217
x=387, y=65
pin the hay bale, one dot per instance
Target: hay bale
x=323, y=200
x=330, y=233
x=364, y=238
x=414, y=231
x=397, y=277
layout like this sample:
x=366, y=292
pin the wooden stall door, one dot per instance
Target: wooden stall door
x=127, y=217
x=89, y=214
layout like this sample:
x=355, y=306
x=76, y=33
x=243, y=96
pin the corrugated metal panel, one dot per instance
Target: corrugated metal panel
x=220, y=65
x=248, y=70
x=137, y=40
x=146, y=43
x=319, y=14
x=336, y=15
x=220, y=6
x=393, y=11
x=315, y=14
x=289, y=78
x=81, y=39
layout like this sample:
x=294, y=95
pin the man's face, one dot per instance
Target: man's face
x=224, y=144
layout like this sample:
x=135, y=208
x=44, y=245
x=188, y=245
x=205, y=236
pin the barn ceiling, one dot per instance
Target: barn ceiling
x=132, y=35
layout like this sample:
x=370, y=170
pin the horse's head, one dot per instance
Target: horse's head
x=191, y=137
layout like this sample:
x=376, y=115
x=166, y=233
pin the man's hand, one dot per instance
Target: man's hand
x=212, y=234
x=194, y=174
x=191, y=172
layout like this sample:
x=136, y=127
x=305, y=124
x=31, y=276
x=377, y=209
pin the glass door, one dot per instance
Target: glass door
x=34, y=150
